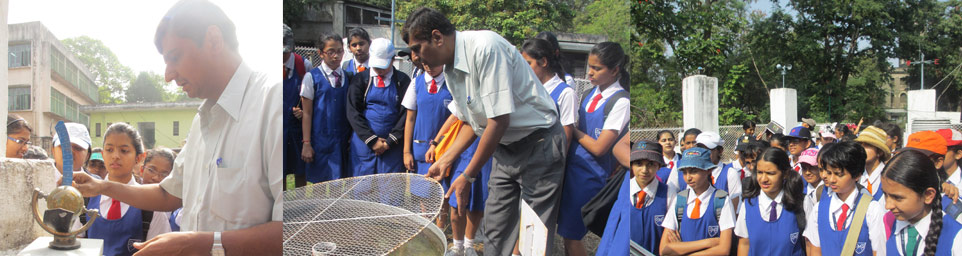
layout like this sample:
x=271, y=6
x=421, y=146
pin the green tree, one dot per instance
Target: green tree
x=514, y=20
x=146, y=89
x=606, y=17
x=109, y=74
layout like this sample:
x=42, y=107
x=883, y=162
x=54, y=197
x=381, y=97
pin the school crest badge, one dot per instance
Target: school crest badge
x=793, y=237
x=860, y=247
x=597, y=132
x=659, y=219
x=713, y=231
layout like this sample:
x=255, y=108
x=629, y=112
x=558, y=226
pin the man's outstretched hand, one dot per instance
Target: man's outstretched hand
x=88, y=186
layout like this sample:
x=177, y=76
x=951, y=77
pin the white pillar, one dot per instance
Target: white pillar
x=700, y=102
x=784, y=107
x=3, y=68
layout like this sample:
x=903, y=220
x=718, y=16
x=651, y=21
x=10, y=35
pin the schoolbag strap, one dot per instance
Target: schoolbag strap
x=145, y=218
x=720, y=197
x=819, y=191
x=681, y=202
x=853, y=231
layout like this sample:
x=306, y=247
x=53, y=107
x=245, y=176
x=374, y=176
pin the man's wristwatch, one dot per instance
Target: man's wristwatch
x=218, y=248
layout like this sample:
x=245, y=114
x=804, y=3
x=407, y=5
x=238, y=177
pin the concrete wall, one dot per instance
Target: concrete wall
x=784, y=107
x=20, y=177
x=700, y=102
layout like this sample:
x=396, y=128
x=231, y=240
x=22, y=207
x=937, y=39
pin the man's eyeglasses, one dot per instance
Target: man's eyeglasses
x=19, y=141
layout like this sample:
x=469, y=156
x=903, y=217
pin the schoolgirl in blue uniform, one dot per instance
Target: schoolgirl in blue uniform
x=120, y=224
x=590, y=161
x=376, y=115
x=294, y=68
x=540, y=55
x=641, y=206
x=670, y=157
x=426, y=100
x=771, y=217
x=359, y=43
x=876, y=154
x=464, y=226
x=676, y=179
x=912, y=191
x=698, y=213
x=325, y=126
x=835, y=213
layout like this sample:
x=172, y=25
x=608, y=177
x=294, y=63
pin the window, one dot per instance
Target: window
x=18, y=98
x=57, y=102
x=19, y=55
x=98, y=130
x=176, y=128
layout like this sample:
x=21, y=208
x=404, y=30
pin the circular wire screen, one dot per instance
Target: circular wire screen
x=368, y=215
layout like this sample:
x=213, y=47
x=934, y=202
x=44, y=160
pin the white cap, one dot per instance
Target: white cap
x=710, y=139
x=78, y=135
x=381, y=52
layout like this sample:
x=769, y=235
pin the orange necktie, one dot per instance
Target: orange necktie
x=869, y=185
x=594, y=103
x=696, y=211
x=640, y=203
x=361, y=69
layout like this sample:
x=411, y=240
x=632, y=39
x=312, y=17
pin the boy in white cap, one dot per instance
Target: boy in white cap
x=80, y=147
x=375, y=112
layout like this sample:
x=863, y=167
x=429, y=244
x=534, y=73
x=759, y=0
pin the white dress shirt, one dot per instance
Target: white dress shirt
x=158, y=223
x=725, y=221
x=490, y=78
x=410, y=100
x=307, y=84
x=229, y=173
x=873, y=219
x=875, y=178
x=619, y=114
x=567, y=104
x=764, y=208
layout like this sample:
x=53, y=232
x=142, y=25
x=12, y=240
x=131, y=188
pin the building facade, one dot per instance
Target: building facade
x=159, y=124
x=46, y=83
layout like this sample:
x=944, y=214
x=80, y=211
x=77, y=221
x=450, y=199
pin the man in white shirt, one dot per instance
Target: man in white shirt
x=499, y=99
x=228, y=176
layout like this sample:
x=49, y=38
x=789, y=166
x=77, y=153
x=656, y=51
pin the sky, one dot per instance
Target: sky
x=127, y=27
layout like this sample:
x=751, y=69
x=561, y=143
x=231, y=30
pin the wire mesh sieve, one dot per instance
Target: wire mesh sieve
x=368, y=215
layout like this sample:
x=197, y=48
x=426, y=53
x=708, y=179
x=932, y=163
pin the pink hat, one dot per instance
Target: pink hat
x=809, y=156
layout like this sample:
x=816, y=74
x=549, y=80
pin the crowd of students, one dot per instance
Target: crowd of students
x=361, y=116
x=122, y=159
x=799, y=195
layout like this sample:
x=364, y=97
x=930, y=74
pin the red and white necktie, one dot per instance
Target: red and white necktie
x=434, y=87
x=114, y=212
x=594, y=103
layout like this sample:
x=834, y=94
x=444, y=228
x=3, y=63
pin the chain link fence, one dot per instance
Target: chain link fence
x=729, y=134
x=405, y=65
